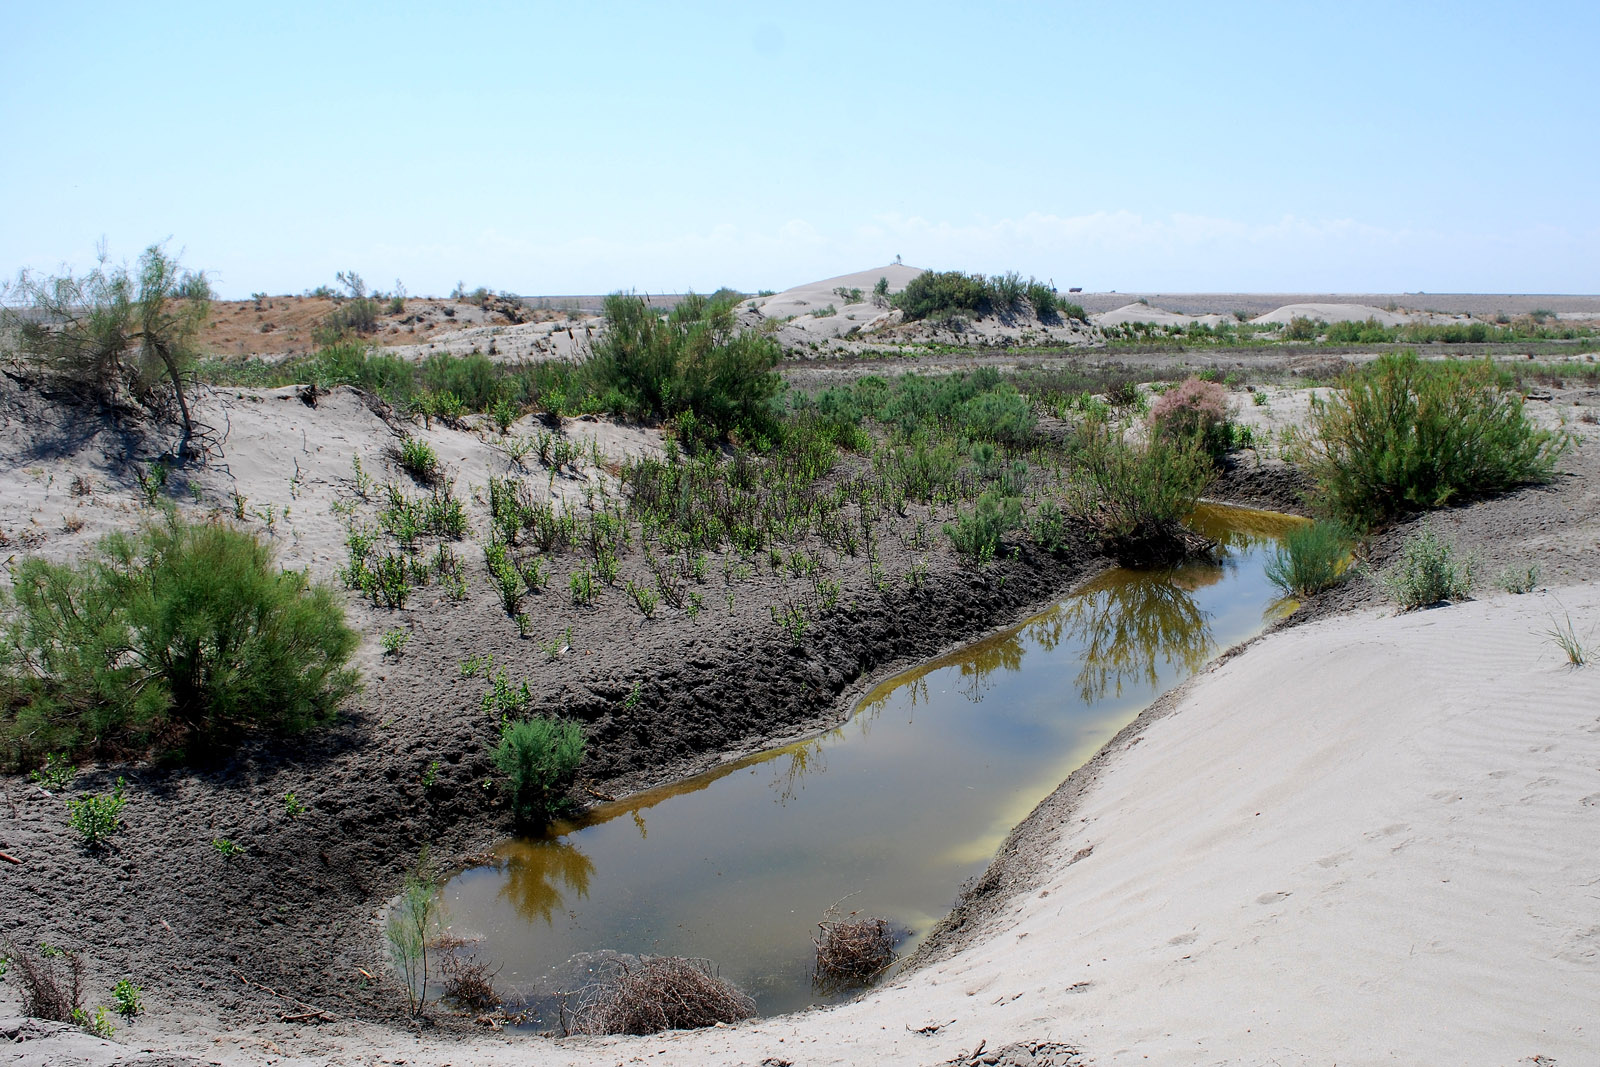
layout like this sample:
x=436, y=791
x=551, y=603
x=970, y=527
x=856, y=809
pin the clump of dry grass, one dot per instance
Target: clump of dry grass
x=662, y=993
x=852, y=951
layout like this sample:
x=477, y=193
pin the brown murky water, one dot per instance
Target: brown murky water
x=887, y=815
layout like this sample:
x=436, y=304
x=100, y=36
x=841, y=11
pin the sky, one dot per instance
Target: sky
x=586, y=148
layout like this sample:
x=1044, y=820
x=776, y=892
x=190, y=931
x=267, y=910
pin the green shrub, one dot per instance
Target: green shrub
x=1518, y=579
x=110, y=334
x=56, y=773
x=96, y=817
x=1310, y=559
x=418, y=459
x=1427, y=572
x=539, y=757
x=1137, y=497
x=357, y=316
x=977, y=533
x=1301, y=328
x=411, y=928
x=938, y=292
x=938, y=295
x=1402, y=435
x=692, y=366
x=186, y=627
x=129, y=998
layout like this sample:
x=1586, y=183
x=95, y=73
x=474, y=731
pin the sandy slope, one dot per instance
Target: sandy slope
x=1366, y=840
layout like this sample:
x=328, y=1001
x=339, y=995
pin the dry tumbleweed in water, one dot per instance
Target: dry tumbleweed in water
x=662, y=993
x=852, y=951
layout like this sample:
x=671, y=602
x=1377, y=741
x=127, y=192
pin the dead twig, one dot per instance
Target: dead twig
x=9, y=858
x=310, y=1008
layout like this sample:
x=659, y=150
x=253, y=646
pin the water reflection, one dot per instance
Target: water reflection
x=916, y=792
x=805, y=758
x=1129, y=623
x=543, y=877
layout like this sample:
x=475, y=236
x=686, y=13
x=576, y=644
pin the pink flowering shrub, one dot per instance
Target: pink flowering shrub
x=1194, y=409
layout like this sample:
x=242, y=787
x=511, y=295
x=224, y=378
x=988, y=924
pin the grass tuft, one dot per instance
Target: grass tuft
x=1311, y=558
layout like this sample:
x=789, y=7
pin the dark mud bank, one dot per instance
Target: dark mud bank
x=297, y=912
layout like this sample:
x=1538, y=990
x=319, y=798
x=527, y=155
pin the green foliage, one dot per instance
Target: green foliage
x=1401, y=435
x=1301, y=328
x=938, y=294
x=395, y=641
x=977, y=533
x=129, y=998
x=1136, y=497
x=1311, y=558
x=1567, y=638
x=1520, y=579
x=1427, y=571
x=418, y=459
x=692, y=366
x=97, y=816
x=293, y=807
x=187, y=627
x=226, y=848
x=538, y=757
x=57, y=772
x=504, y=576
x=111, y=332
x=410, y=929
x=358, y=316
x=99, y=1024
x=583, y=586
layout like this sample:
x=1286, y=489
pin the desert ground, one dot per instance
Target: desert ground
x=1364, y=837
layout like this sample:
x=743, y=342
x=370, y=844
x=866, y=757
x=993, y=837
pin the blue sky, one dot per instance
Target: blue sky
x=565, y=148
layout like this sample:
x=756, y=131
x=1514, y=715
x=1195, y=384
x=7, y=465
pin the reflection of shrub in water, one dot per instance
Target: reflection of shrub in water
x=540, y=874
x=1126, y=623
x=1000, y=653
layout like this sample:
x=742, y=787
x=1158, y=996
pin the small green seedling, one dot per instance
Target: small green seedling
x=227, y=849
x=292, y=806
x=97, y=817
x=56, y=774
x=395, y=641
x=98, y=1024
x=129, y=997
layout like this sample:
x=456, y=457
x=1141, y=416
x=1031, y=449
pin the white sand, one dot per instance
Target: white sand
x=1353, y=313
x=1370, y=839
x=1137, y=312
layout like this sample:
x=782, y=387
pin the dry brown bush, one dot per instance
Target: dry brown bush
x=468, y=981
x=52, y=981
x=852, y=951
x=662, y=993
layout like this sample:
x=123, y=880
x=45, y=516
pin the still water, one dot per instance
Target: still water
x=886, y=815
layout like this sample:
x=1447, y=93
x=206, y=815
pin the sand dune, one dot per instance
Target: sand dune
x=1350, y=313
x=1156, y=316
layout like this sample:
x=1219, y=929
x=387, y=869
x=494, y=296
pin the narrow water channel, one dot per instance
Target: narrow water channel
x=886, y=815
